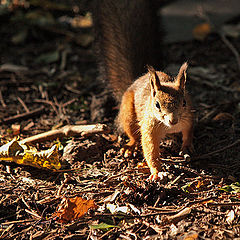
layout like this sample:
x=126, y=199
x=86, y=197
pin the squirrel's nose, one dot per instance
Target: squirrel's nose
x=174, y=121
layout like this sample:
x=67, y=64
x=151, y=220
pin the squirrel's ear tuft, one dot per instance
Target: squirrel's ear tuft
x=182, y=76
x=154, y=79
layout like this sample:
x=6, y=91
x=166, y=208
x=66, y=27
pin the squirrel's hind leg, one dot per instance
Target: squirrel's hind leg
x=128, y=121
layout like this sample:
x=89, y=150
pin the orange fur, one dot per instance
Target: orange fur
x=142, y=120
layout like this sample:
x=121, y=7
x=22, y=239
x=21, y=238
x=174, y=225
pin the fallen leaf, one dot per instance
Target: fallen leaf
x=103, y=226
x=71, y=209
x=22, y=154
x=234, y=188
x=230, y=217
x=190, y=236
x=201, y=31
x=116, y=209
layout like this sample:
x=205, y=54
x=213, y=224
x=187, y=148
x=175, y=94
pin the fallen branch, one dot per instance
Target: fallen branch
x=68, y=131
x=22, y=116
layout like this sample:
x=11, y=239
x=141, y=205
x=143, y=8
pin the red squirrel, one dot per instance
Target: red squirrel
x=151, y=105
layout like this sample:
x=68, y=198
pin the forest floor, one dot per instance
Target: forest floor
x=53, y=71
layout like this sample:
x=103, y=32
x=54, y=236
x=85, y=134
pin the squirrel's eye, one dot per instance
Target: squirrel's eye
x=184, y=103
x=158, y=105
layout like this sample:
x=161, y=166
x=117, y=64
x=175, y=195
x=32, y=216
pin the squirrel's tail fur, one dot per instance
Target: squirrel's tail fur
x=127, y=39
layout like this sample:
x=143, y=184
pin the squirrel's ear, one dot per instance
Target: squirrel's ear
x=182, y=76
x=154, y=80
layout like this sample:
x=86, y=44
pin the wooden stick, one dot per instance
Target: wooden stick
x=23, y=116
x=67, y=131
x=179, y=216
x=23, y=104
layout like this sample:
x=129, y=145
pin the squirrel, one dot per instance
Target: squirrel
x=151, y=105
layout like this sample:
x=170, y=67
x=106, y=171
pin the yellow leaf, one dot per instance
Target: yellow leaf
x=23, y=154
x=11, y=148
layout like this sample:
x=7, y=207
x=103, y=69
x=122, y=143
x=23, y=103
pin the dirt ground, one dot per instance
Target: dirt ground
x=53, y=70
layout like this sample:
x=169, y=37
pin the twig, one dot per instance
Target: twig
x=201, y=200
x=67, y=178
x=6, y=231
x=18, y=221
x=29, y=210
x=232, y=48
x=180, y=160
x=176, y=179
x=22, y=116
x=48, y=102
x=70, y=89
x=23, y=104
x=68, y=131
x=166, y=211
x=1, y=99
x=33, y=214
x=207, y=155
x=105, y=234
x=179, y=216
x=136, y=216
x=119, y=175
x=69, y=102
x=211, y=204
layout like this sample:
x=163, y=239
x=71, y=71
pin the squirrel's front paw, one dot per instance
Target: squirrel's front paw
x=186, y=152
x=128, y=150
x=158, y=176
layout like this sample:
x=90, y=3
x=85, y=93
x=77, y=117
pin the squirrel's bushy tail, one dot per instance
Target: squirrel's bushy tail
x=127, y=39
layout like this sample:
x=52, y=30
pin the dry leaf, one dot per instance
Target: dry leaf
x=73, y=208
x=114, y=209
x=230, y=217
x=24, y=155
x=190, y=236
x=201, y=31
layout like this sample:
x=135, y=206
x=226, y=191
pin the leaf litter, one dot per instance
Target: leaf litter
x=96, y=193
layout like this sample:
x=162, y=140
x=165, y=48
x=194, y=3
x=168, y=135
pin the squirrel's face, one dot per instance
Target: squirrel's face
x=167, y=95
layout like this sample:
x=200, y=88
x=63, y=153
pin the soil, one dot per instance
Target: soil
x=199, y=200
